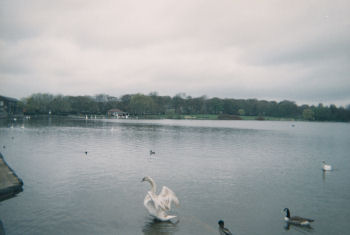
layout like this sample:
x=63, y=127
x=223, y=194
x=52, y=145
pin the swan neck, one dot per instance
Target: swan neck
x=153, y=186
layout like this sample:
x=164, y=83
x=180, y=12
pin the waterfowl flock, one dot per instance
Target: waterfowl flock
x=159, y=205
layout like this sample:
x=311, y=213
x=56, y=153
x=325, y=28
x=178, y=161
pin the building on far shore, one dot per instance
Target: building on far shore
x=9, y=107
x=117, y=113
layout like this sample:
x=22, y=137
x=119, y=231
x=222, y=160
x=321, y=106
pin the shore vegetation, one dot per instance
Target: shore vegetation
x=181, y=106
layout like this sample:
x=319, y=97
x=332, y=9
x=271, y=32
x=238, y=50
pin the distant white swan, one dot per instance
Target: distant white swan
x=326, y=167
x=159, y=205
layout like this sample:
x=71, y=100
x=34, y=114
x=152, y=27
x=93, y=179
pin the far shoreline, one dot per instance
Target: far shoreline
x=218, y=117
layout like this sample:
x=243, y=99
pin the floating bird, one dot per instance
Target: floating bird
x=296, y=219
x=86, y=152
x=151, y=152
x=159, y=205
x=222, y=229
x=326, y=167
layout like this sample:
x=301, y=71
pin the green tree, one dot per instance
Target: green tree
x=251, y=107
x=308, y=114
x=287, y=109
x=230, y=106
x=141, y=104
x=38, y=103
x=241, y=112
x=125, y=102
x=322, y=113
x=42, y=103
x=178, y=103
x=215, y=106
x=83, y=105
x=60, y=105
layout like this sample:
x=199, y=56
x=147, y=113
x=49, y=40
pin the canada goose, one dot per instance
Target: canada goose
x=296, y=219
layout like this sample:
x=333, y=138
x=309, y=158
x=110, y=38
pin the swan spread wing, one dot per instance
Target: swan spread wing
x=158, y=205
x=155, y=208
x=149, y=204
x=166, y=197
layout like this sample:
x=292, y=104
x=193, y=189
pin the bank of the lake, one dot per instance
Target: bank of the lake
x=162, y=117
x=10, y=183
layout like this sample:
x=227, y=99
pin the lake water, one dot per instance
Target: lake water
x=243, y=172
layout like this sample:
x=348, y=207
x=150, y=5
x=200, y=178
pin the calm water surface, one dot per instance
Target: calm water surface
x=244, y=172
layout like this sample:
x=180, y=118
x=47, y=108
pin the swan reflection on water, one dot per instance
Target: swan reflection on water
x=154, y=227
x=324, y=176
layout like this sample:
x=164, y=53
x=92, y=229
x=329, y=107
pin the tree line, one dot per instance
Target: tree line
x=180, y=104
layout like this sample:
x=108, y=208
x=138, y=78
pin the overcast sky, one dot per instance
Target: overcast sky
x=297, y=50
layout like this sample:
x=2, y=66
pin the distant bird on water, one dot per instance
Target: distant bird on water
x=222, y=229
x=86, y=152
x=159, y=205
x=151, y=152
x=326, y=167
x=296, y=219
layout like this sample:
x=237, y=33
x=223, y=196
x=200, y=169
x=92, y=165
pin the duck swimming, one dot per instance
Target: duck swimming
x=222, y=229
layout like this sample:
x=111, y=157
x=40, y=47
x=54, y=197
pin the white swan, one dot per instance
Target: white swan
x=159, y=205
x=326, y=167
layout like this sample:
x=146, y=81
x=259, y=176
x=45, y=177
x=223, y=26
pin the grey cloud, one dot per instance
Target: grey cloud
x=276, y=50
